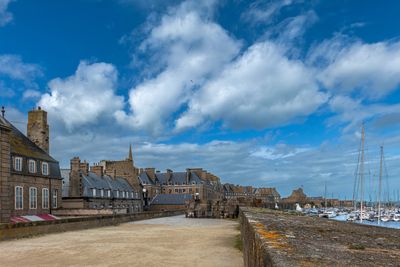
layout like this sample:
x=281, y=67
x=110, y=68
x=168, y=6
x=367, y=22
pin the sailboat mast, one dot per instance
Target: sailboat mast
x=325, y=196
x=362, y=173
x=380, y=187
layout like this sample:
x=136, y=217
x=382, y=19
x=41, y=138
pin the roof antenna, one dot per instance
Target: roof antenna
x=3, y=111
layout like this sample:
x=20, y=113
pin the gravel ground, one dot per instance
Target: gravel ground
x=170, y=241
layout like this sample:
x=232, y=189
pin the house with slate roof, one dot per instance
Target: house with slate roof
x=195, y=182
x=107, y=187
x=30, y=179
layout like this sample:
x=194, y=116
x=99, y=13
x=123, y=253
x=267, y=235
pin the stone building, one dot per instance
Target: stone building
x=251, y=196
x=30, y=179
x=195, y=181
x=106, y=187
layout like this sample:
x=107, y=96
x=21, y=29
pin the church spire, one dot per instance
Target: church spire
x=130, y=153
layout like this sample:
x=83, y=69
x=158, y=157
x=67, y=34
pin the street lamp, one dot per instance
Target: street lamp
x=145, y=197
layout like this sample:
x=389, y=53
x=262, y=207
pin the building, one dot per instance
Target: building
x=196, y=182
x=251, y=196
x=30, y=179
x=107, y=187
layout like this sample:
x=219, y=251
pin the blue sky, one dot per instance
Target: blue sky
x=263, y=93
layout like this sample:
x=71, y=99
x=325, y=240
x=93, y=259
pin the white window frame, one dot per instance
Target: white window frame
x=45, y=198
x=123, y=194
x=32, y=205
x=94, y=192
x=54, y=202
x=117, y=193
x=18, y=167
x=109, y=193
x=43, y=168
x=132, y=195
x=19, y=196
x=101, y=192
x=31, y=163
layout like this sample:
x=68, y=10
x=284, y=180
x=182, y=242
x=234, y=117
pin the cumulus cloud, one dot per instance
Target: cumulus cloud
x=5, y=16
x=262, y=88
x=347, y=66
x=12, y=66
x=191, y=49
x=31, y=94
x=84, y=97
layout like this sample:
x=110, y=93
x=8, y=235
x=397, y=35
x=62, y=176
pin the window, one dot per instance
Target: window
x=55, y=195
x=33, y=198
x=117, y=193
x=94, y=192
x=32, y=166
x=18, y=163
x=108, y=193
x=123, y=193
x=45, y=168
x=45, y=198
x=131, y=194
x=101, y=192
x=19, y=198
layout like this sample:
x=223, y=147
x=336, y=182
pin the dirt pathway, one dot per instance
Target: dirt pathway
x=172, y=241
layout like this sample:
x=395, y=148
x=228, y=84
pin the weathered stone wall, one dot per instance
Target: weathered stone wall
x=5, y=203
x=275, y=238
x=20, y=230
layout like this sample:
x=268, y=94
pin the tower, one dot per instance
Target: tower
x=130, y=157
x=38, y=129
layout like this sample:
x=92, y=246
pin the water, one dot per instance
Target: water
x=390, y=224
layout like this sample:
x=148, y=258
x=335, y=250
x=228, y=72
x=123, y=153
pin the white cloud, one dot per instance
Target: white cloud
x=84, y=97
x=264, y=12
x=31, y=94
x=13, y=67
x=262, y=88
x=191, y=48
x=373, y=69
x=5, y=16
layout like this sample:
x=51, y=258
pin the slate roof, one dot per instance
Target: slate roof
x=93, y=181
x=145, y=179
x=22, y=145
x=171, y=199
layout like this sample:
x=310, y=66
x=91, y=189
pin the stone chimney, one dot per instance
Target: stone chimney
x=151, y=172
x=38, y=129
x=75, y=178
x=97, y=169
x=169, y=173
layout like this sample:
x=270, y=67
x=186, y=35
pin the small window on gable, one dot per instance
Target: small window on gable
x=32, y=166
x=45, y=168
x=18, y=163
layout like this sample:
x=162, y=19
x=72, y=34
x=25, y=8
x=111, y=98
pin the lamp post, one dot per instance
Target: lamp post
x=145, y=197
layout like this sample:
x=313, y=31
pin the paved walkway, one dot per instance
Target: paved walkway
x=171, y=241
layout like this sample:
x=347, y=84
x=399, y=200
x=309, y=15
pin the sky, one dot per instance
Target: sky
x=261, y=93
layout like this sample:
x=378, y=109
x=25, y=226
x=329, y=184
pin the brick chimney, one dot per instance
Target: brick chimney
x=38, y=129
x=97, y=169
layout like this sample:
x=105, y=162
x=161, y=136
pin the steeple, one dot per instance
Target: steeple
x=130, y=153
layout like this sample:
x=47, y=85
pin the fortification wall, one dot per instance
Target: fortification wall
x=20, y=230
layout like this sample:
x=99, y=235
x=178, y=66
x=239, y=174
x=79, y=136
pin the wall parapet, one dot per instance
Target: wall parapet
x=28, y=229
x=276, y=238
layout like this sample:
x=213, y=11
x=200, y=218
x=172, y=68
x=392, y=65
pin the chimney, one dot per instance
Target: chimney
x=84, y=167
x=169, y=174
x=97, y=169
x=75, y=179
x=38, y=129
x=151, y=172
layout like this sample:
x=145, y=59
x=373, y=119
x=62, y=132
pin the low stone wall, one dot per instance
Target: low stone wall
x=20, y=230
x=276, y=238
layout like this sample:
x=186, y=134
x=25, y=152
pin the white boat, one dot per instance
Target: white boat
x=328, y=214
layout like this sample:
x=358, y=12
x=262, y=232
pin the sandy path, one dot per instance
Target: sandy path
x=173, y=241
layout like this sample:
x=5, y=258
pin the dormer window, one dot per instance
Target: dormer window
x=32, y=166
x=45, y=168
x=18, y=164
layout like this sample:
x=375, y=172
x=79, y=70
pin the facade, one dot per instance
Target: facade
x=109, y=186
x=196, y=182
x=251, y=196
x=30, y=179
